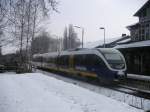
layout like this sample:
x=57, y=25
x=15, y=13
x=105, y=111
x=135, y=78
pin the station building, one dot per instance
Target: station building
x=137, y=51
x=136, y=47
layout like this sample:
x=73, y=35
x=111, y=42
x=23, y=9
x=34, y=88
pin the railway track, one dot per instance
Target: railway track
x=127, y=89
x=138, y=83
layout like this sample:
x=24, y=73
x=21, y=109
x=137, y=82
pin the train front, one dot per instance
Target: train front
x=115, y=62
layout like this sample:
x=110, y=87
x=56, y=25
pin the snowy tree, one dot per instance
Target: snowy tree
x=23, y=18
x=65, y=39
x=44, y=43
x=70, y=39
x=40, y=44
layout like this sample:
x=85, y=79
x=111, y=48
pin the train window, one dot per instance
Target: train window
x=112, y=56
x=88, y=60
x=98, y=61
x=44, y=59
x=80, y=60
x=83, y=60
x=93, y=60
x=76, y=60
x=59, y=60
x=50, y=60
x=38, y=59
x=34, y=59
x=64, y=61
x=114, y=59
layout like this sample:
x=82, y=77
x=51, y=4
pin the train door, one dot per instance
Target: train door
x=71, y=62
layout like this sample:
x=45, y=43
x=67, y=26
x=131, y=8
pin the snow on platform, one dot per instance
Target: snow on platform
x=139, y=77
x=39, y=93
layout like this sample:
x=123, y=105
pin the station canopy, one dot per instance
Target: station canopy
x=134, y=44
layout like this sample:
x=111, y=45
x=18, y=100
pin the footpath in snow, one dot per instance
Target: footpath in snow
x=39, y=93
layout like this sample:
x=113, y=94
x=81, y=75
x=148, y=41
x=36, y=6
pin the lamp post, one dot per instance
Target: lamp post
x=82, y=33
x=102, y=28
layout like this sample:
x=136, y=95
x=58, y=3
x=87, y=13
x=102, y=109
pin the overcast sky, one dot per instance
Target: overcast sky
x=114, y=15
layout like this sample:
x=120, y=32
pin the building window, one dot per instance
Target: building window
x=147, y=32
x=147, y=25
x=147, y=35
x=142, y=37
x=143, y=31
x=143, y=14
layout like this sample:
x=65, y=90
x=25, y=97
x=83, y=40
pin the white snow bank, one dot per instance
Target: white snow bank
x=39, y=93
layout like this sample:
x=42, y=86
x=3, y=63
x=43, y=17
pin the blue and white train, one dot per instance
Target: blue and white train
x=105, y=63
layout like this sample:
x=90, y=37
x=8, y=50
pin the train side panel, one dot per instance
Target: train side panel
x=89, y=63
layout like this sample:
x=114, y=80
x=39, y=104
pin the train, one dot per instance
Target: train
x=101, y=63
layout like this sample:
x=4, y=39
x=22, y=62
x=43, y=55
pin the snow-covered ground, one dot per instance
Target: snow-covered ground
x=40, y=93
x=129, y=99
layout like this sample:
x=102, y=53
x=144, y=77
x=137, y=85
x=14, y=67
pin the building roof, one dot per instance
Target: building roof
x=134, y=45
x=124, y=41
x=133, y=26
x=98, y=43
x=142, y=8
x=114, y=42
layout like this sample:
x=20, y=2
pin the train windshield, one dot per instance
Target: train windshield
x=114, y=59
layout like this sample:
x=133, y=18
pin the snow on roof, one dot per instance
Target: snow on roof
x=141, y=77
x=123, y=41
x=132, y=25
x=36, y=92
x=99, y=42
x=135, y=44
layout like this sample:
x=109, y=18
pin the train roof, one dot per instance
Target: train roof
x=46, y=54
x=77, y=51
x=86, y=51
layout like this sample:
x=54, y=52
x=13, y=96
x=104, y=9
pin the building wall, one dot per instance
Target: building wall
x=138, y=60
x=141, y=31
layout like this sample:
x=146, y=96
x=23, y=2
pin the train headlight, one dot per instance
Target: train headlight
x=121, y=73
